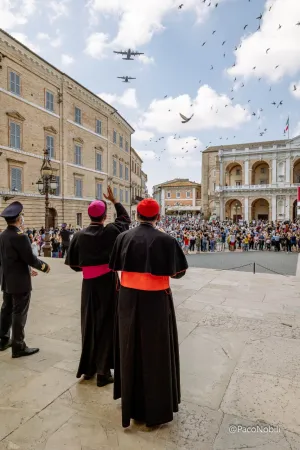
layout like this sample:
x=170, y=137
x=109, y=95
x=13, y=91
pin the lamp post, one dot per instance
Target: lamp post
x=47, y=185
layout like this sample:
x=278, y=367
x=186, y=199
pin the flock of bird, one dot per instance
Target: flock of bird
x=256, y=113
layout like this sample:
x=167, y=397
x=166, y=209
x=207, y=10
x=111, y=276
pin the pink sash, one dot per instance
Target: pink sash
x=89, y=272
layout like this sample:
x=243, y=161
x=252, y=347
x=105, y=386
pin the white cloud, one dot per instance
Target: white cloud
x=14, y=13
x=147, y=155
x=283, y=43
x=139, y=21
x=128, y=98
x=295, y=93
x=66, y=60
x=25, y=41
x=141, y=135
x=146, y=59
x=182, y=146
x=96, y=45
x=54, y=42
x=59, y=8
x=209, y=109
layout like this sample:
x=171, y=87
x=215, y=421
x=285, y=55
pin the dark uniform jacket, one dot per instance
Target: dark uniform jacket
x=93, y=245
x=16, y=258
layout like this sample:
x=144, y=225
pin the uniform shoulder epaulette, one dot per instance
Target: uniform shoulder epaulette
x=20, y=232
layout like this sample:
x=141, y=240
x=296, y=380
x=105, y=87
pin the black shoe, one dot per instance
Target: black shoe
x=103, y=380
x=25, y=352
x=4, y=345
x=88, y=377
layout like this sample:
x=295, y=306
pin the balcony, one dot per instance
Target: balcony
x=256, y=187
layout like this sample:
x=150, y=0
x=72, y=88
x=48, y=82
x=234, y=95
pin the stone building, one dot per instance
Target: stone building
x=136, y=181
x=178, y=196
x=89, y=141
x=144, y=185
x=251, y=181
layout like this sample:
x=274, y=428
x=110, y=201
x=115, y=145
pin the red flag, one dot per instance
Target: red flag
x=298, y=193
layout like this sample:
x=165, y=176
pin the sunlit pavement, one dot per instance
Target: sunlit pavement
x=240, y=366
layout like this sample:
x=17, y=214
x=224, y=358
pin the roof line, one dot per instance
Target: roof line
x=66, y=75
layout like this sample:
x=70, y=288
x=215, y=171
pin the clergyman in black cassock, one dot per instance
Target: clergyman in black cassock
x=16, y=260
x=89, y=252
x=147, y=375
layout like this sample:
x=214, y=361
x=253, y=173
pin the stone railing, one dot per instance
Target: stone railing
x=256, y=187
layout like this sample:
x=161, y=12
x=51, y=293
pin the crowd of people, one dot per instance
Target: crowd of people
x=60, y=239
x=196, y=235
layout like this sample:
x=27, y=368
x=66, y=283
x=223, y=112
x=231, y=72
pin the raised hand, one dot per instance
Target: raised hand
x=110, y=196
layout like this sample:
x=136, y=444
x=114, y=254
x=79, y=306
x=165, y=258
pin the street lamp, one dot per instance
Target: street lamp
x=47, y=184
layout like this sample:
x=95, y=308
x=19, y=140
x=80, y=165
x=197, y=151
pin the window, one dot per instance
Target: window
x=126, y=173
x=49, y=101
x=188, y=194
x=78, y=159
x=263, y=170
x=99, y=191
x=121, y=141
x=126, y=146
x=16, y=179
x=238, y=172
x=135, y=168
x=79, y=220
x=114, y=137
x=77, y=115
x=115, y=192
x=15, y=135
x=214, y=186
x=121, y=195
x=168, y=194
x=14, y=83
x=78, y=187
x=126, y=197
x=50, y=146
x=132, y=165
x=114, y=168
x=57, y=192
x=120, y=170
x=98, y=126
x=177, y=194
x=98, y=161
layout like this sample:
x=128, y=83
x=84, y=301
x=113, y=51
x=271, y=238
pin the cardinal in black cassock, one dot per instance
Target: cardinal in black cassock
x=147, y=375
x=89, y=252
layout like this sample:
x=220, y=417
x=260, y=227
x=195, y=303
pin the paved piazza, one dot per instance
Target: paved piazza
x=240, y=365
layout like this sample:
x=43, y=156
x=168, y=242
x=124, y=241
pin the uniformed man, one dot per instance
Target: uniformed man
x=16, y=260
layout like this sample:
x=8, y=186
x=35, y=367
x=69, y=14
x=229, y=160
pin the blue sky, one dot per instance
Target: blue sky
x=79, y=37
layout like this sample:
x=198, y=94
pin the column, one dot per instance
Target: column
x=221, y=209
x=221, y=181
x=246, y=169
x=288, y=170
x=274, y=171
x=287, y=207
x=274, y=207
x=194, y=197
x=246, y=209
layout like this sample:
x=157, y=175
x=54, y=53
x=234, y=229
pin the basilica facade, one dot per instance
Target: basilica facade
x=251, y=181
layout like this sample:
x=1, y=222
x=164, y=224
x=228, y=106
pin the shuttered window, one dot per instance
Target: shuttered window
x=120, y=170
x=16, y=179
x=15, y=135
x=14, y=83
x=78, y=188
x=99, y=191
x=98, y=127
x=126, y=173
x=126, y=196
x=78, y=156
x=50, y=146
x=98, y=161
x=114, y=168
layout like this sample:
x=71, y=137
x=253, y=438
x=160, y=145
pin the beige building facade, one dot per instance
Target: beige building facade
x=178, y=196
x=89, y=141
x=136, y=181
x=251, y=181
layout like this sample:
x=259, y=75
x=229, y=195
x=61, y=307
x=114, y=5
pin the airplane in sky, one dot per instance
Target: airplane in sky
x=128, y=54
x=126, y=79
